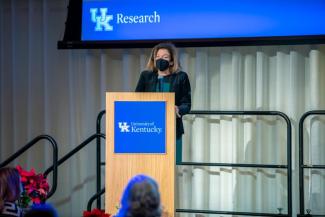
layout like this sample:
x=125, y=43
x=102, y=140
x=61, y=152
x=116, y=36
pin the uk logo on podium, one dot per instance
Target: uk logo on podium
x=124, y=127
x=140, y=127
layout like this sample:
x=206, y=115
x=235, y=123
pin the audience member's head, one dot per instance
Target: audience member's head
x=41, y=210
x=141, y=198
x=10, y=185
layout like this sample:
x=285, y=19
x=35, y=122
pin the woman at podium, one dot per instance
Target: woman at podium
x=164, y=74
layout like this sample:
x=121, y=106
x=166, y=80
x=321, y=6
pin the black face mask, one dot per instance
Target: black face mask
x=162, y=64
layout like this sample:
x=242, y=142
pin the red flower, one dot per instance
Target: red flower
x=35, y=185
x=95, y=213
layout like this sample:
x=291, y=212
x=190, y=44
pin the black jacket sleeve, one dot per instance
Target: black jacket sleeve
x=185, y=95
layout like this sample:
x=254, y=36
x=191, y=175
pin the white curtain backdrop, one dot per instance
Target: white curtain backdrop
x=60, y=92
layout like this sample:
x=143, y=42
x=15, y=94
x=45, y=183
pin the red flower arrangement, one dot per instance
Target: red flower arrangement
x=35, y=187
x=95, y=213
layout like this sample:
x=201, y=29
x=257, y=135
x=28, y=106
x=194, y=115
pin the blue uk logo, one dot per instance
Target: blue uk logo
x=102, y=21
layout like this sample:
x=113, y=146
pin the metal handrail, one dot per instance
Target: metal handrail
x=54, y=158
x=227, y=212
x=93, y=198
x=302, y=166
x=271, y=166
x=73, y=151
x=98, y=154
x=288, y=166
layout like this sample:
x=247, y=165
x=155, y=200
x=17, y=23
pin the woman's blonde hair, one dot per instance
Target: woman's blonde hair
x=175, y=67
x=9, y=185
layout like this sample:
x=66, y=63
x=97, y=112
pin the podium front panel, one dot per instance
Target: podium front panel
x=140, y=141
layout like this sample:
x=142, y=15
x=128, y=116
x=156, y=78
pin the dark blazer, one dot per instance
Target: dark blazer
x=180, y=85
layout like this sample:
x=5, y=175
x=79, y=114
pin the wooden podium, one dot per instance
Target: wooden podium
x=120, y=167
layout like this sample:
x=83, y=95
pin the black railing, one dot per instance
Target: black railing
x=227, y=212
x=98, y=155
x=57, y=162
x=288, y=166
x=98, y=164
x=302, y=166
x=74, y=151
x=93, y=198
x=54, y=158
x=310, y=215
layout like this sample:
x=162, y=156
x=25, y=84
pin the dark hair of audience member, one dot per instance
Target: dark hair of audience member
x=141, y=198
x=10, y=186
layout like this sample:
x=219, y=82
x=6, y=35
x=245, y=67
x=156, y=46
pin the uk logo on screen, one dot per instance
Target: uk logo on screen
x=102, y=19
x=140, y=127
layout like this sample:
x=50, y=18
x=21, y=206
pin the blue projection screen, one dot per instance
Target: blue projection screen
x=125, y=20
